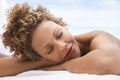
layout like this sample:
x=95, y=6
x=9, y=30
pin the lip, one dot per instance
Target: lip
x=69, y=53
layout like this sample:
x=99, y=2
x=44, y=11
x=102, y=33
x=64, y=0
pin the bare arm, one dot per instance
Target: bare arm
x=11, y=66
x=90, y=63
x=87, y=37
x=2, y=55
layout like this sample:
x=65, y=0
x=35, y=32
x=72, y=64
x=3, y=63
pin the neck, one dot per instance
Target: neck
x=83, y=48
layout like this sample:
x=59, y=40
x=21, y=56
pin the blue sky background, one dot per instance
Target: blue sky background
x=80, y=15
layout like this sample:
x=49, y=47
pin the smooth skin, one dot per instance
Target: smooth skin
x=10, y=65
x=95, y=52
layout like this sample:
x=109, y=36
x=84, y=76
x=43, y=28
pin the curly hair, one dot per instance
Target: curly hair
x=22, y=21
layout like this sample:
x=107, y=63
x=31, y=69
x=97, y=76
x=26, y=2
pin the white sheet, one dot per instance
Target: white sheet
x=58, y=75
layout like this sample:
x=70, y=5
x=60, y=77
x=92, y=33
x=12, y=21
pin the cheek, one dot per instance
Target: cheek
x=68, y=37
x=54, y=57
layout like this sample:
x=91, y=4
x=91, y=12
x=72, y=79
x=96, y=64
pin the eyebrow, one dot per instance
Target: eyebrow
x=54, y=31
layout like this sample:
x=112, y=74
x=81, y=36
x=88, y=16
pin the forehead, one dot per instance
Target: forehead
x=43, y=34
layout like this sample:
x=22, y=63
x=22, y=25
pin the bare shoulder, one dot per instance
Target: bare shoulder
x=104, y=39
x=104, y=52
x=110, y=48
x=89, y=36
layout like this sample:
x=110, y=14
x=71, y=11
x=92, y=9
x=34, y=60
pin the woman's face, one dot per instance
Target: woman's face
x=54, y=43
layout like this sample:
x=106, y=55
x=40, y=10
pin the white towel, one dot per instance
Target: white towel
x=58, y=75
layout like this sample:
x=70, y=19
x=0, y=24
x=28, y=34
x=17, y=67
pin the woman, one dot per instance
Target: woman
x=37, y=37
x=93, y=52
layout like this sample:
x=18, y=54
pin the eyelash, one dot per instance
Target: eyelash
x=50, y=50
x=60, y=35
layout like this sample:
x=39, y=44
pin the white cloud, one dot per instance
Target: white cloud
x=109, y=3
x=84, y=17
x=72, y=1
x=3, y=7
x=106, y=12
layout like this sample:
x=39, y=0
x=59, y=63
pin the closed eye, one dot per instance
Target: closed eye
x=50, y=50
x=60, y=35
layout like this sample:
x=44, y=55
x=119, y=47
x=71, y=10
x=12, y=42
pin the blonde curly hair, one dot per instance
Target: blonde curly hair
x=22, y=21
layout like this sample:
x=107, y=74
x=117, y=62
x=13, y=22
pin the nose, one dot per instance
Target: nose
x=61, y=46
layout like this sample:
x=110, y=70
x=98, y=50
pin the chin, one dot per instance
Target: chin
x=77, y=56
x=78, y=52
